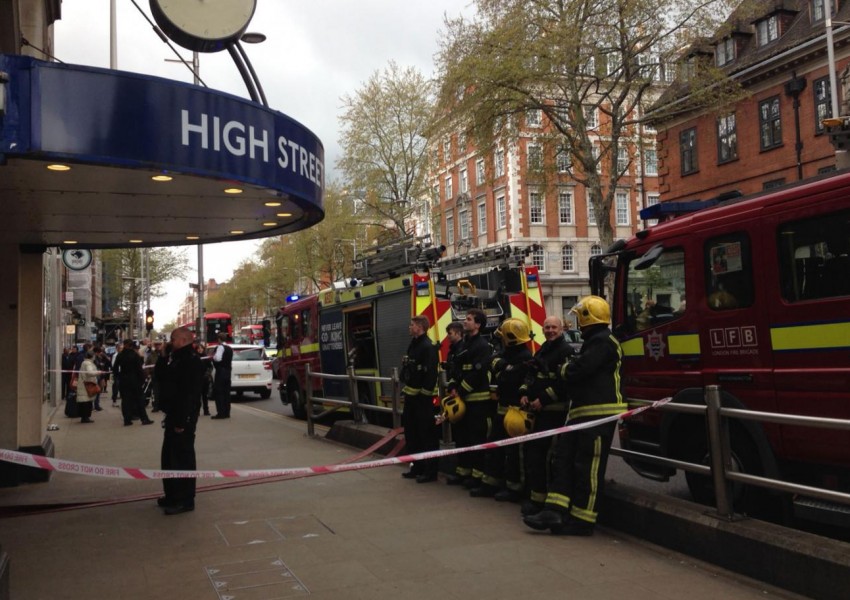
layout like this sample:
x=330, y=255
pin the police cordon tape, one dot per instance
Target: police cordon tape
x=68, y=466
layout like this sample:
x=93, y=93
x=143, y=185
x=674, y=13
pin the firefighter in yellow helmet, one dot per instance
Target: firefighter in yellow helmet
x=580, y=457
x=502, y=476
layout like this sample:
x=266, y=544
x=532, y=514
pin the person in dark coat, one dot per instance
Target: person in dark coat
x=419, y=374
x=180, y=388
x=223, y=361
x=128, y=370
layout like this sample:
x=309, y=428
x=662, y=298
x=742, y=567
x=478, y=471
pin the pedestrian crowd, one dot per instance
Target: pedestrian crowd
x=500, y=391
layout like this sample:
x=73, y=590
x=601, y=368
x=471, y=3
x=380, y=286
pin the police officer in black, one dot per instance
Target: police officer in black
x=419, y=374
x=473, y=388
x=180, y=389
x=223, y=361
x=580, y=457
x=544, y=394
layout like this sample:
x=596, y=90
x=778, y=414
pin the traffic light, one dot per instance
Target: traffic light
x=148, y=319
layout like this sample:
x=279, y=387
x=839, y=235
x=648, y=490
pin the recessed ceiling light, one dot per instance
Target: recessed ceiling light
x=269, y=224
x=58, y=167
x=236, y=231
x=284, y=215
x=162, y=178
x=135, y=241
x=232, y=191
x=69, y=242
x=193, y=237
x=272, y=203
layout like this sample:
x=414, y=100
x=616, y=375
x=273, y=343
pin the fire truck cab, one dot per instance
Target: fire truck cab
x=751, y=294
x=366, y=326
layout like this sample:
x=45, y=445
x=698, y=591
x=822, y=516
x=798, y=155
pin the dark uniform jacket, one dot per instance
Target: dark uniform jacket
x=452, y=365
x=473, y=360
x=419, y=371
x=181, y=387
x=543, y=381
x=509, y=369
x=593, y=377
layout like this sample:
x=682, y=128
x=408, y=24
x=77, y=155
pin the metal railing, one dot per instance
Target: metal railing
x=353, y=403
x=720, y=450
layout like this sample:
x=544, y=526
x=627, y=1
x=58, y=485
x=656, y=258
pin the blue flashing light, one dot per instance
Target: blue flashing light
x=292, y=298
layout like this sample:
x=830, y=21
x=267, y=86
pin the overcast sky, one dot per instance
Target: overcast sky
x=316, y=52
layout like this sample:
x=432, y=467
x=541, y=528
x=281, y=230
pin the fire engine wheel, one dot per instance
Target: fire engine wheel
x=296, y=400
x=749, y=500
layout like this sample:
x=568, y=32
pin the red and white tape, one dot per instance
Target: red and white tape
x=68, y=466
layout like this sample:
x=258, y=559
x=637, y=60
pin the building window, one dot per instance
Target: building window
x=650, y=162
x=724, y=53
x=773, y=183
x=449, y=190
x=595, y=152
x=767, y=30
x=770, y=123
x=535, y=157
x=591, y=213
x=818, y=10
x=622, y=203
x=482, y=218
x=501, y=213
x=534, y=117
x=727, y=139
x=565, y=208
x=463, y=223
x=567, y=259
x=479, y=172
x=591, y=117
x=622, y=161
x=447, y=150
x=595, y=250
x=461, y=143
x=535, y=208
x=823, y=102
x=688, y=150
x=538, y=259
x=563, y=160
x=651, y=200
x=499, y=162
x=464, y=182
x=450, y=230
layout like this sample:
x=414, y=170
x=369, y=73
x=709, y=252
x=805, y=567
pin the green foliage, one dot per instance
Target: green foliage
x=569, y=59
x=123, y=270
x=384, y=145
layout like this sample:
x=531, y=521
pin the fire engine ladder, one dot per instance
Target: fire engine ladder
x=504, y=256
x=406, y=255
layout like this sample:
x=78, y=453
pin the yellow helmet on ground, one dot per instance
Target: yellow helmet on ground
x=518, y=422
x=513, y=332
x=453, y=408
x=592, y=310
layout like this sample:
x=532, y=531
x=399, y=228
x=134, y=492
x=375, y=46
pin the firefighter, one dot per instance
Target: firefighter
x=580, y=457
x=546, y=396
x=502, y=473
x=419, y=373
x=473, y=388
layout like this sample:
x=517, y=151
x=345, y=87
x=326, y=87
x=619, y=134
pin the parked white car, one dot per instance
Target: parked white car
x=251, y=371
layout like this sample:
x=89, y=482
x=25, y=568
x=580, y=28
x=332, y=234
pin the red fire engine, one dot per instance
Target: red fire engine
x=366, y=325
x=750, y=294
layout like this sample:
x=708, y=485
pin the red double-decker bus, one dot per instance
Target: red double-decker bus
x=214, y=323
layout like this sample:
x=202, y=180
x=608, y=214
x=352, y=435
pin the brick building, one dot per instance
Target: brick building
x=774, y=136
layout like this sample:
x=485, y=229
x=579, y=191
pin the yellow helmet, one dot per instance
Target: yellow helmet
x=513, y=332
x=518, y=422
x=592, y=310
x=453, y=408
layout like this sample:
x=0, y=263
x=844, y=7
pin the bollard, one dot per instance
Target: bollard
x=308, y=400
x=354, y=397
x=719, y=450
x=396, y=385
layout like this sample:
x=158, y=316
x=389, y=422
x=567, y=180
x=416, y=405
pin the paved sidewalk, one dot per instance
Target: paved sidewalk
x=367, y=534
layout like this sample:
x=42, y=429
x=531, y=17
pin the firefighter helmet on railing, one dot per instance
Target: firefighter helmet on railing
x=453, y=408
x=513, y=332
x=592, y=310
x=518, y=422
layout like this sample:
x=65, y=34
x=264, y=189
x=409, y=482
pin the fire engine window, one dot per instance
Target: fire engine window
x=728, y=272
x=306, y=325
x=656, y=294
x=283, y=329
x=814, y=257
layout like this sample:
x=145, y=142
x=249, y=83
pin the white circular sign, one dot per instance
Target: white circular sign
x=76, y=259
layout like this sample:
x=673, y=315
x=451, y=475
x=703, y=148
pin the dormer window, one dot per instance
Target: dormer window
x=724, y=53
x=767, y=30
x=819, y=10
